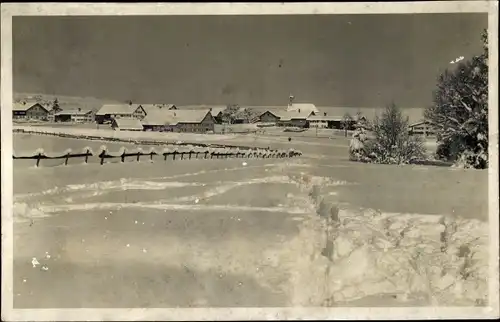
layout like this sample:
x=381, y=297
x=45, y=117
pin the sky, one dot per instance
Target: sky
x=328, y=60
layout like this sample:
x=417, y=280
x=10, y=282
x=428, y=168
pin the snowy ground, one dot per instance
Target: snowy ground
x=220, y=233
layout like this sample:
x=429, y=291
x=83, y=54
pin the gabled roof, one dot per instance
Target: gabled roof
x=117, y=109
x=173, y=117
x=290, y=115
x=25, y=105
x=217, y=110
x=128, y=123
x=148, y=108
x=303, y=107
x=427, y=122
x=270, y=112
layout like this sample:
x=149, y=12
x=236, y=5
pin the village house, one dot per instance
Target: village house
x=423, y=127
x=78, y=115
x=29, y=111
x=180, y=120
x=295, y=118
x=126, y=124
x=111, y=111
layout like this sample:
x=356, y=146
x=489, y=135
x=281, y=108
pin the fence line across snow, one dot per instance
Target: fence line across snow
x=130, y=140
x=175, y=154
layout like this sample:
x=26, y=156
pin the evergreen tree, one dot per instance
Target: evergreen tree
x=459, y=111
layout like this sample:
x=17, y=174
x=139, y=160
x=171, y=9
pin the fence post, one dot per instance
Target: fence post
x=197, y=153
x=182, y=155
x=173, y=155
x=67, y=158
x=206, y=154
x=165, y=156
x=138, y=155
x=151, y=155
x=38, y=159
x=190, y=152
x=102, y=156
x=123, y=155
x=87, y=156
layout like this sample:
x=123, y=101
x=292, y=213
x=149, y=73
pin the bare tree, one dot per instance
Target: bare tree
x=346, y=122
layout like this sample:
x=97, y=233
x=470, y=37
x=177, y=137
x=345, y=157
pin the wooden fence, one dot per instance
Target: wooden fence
x=175, y=154
x=130, y=140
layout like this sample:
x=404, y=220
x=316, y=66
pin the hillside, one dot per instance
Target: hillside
x=65, y=102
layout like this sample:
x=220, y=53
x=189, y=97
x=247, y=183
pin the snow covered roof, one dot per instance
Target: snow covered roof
x=128, y=123
x=216, y=109
x=427, y=122
x=173, y=117
x=117, y=109
x=324, y=118
x=74, y=112
x=26, y=105
x=302, y=107
x=148, y=108
x=293, y=114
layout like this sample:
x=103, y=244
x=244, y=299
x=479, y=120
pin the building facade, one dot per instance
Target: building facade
x=184, y=121
x=112, y=111
x=268, y=117
x=75, y=116
x=30, y=111
x=424, y=128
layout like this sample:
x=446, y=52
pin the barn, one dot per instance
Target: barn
x=193, y=121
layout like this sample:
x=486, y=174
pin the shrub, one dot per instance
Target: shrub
x=392, y=143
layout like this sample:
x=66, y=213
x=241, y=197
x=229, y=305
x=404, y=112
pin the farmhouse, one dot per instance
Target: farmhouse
x=26, y=110
x=110, y=111
x=126, y=124
x=194, y=121
x=297, y=118
x=77, y=116
x=423, y=127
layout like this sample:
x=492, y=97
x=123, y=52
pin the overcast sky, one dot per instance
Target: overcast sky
x=328, y=60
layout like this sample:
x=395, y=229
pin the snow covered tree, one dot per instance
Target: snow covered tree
x=55, y=106
x=459, y=112
x=392, y=142
x=229, y=114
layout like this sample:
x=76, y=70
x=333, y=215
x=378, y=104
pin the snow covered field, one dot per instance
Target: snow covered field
x=224, y=233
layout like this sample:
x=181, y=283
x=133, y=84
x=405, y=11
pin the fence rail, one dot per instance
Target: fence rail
x=130, y=140
x=175, y=154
